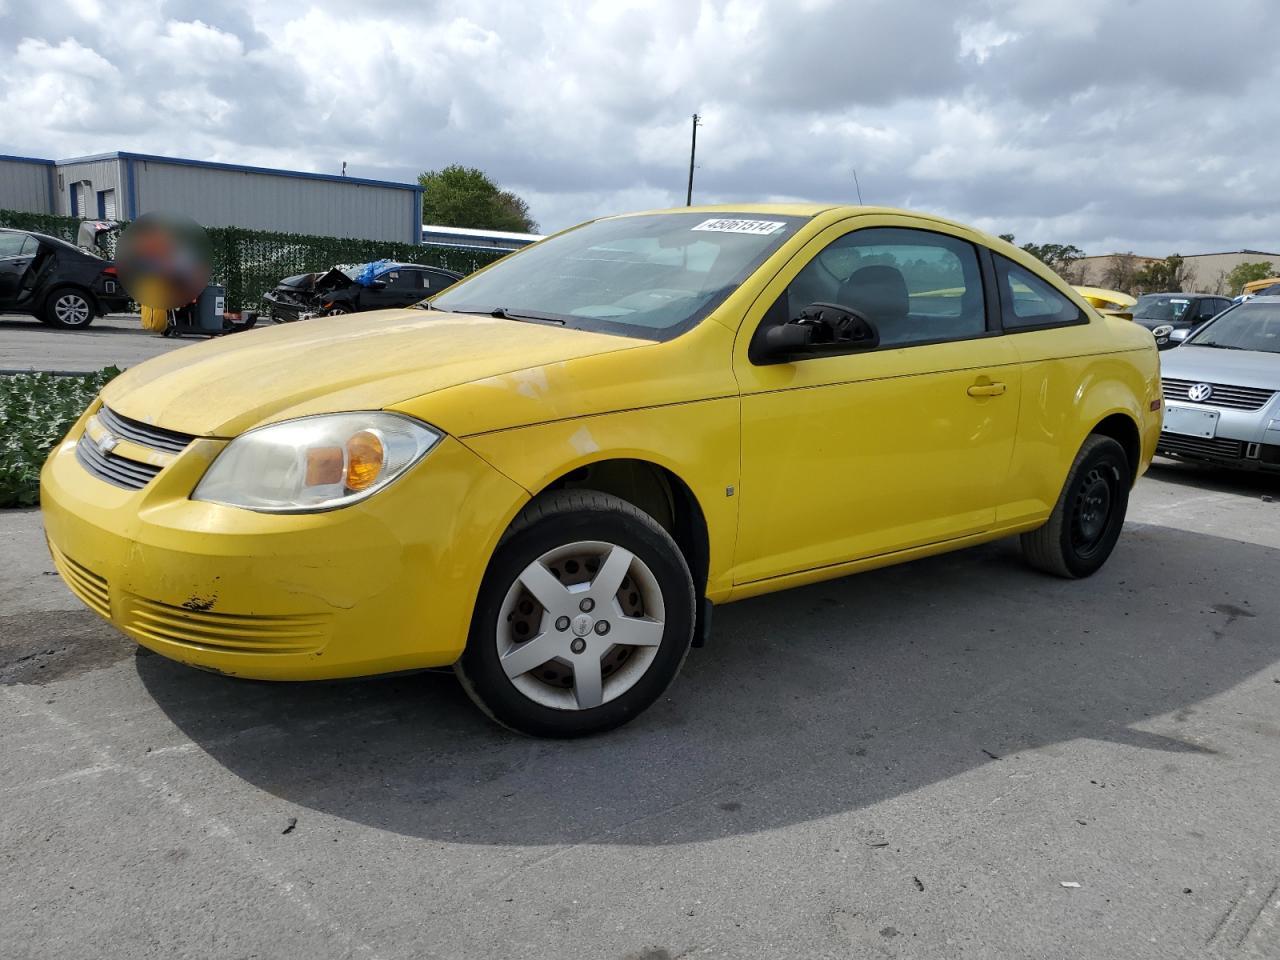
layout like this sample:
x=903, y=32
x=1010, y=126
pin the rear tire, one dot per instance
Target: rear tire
x=67, y=308
x=1087, y=519
x=583, y=618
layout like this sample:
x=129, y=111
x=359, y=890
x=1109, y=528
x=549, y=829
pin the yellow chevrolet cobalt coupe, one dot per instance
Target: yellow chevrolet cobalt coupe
x=549, y=474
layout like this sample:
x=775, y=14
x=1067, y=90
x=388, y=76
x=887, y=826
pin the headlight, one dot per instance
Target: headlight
x=315, y=463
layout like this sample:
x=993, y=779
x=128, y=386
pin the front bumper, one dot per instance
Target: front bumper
x=288, y=306
x=1243, y=439
x=386, y=584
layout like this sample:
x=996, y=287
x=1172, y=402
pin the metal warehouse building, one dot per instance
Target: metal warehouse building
x=126, y=185
x=27, y=184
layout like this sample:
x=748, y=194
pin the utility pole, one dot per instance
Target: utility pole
x=693, y=150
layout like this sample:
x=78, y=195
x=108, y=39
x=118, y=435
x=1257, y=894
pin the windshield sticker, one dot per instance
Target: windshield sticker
x=1179, y=301
x=760, y=228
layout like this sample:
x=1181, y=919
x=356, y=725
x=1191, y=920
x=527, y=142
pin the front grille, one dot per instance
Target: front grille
x=1224, y=395
x=130, y=474
x=157, y=438
x=227, y=632
x=84, y=583
x=1215, y=448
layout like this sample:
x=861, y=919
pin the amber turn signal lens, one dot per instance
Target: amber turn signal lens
x=324, y=466
x=365, y=457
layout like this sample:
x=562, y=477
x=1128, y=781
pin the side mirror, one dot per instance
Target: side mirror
x=377, y=284
x=821, y=328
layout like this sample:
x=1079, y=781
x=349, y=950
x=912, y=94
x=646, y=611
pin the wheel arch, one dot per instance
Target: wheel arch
x=1122, y=428
x=659, y=492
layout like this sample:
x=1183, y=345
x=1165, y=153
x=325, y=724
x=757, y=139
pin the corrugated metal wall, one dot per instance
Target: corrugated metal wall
x=326, y=208
x=24, y=185
x=100, y=175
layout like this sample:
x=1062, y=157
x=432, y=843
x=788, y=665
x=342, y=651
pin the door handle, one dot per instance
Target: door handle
x=986, y=390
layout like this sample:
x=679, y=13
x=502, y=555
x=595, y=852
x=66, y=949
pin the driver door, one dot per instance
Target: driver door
x=856, y=455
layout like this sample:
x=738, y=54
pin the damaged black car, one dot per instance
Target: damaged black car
x=61, y=284
x=353, y=288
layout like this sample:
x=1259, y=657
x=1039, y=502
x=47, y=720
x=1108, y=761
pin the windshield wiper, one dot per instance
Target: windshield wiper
x=1217, y=346
x=524, y=316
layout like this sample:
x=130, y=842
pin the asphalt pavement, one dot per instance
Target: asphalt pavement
x=954, y=758
x=27, y=344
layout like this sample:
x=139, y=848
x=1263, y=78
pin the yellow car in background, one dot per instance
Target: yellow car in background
x=549, y=474
x=1111, y=302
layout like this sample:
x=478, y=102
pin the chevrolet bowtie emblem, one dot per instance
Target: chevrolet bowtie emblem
x=106, y=443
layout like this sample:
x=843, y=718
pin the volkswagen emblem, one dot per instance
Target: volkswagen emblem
x=1199, y=392
x=106, y=443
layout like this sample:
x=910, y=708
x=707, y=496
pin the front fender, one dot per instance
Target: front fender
x=697, y=442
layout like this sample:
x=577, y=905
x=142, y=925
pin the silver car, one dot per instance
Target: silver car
x=1222, y=390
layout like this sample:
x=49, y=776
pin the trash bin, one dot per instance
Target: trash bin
x=210, y=307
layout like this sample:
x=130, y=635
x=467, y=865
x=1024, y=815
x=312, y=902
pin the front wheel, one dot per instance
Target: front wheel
x=583, y=618
x=1085, y=523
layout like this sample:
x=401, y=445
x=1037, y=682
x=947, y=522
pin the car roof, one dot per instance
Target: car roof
x=1183, y=293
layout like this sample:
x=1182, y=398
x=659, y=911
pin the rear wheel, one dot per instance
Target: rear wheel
x=336, y=310
x=68, y=308
x=1086, y=521
x=583, y=619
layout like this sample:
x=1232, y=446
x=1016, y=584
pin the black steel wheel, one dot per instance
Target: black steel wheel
x=1087, y=519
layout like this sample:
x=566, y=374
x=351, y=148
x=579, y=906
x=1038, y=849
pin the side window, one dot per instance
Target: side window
x=1030, y=303
x=14, y=244
x=1211, y=307
x=914, y=285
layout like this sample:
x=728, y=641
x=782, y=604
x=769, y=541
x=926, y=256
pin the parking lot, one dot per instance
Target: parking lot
x=26, y=344
x=953, y=758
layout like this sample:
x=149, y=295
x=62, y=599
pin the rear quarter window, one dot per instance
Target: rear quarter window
x=1029, y=303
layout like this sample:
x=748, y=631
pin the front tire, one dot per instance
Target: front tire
x=68, y=309
x=584, y=617
x=1086, y=521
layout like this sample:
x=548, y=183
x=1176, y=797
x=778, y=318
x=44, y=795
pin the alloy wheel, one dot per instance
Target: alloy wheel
x=580, y=625
x=72, y=309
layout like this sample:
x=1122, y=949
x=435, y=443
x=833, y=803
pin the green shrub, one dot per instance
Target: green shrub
x=36, y=411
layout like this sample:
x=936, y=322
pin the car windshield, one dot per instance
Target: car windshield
x=1249, y=326
x=651, y=276
x=1160, y=306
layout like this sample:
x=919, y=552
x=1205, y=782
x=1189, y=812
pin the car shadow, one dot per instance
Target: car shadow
x=807, y=703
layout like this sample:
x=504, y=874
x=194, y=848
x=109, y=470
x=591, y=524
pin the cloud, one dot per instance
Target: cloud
x=1148, y=124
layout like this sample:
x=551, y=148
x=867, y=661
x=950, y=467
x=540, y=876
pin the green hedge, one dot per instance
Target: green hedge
x=36, y=411
x=251, y=262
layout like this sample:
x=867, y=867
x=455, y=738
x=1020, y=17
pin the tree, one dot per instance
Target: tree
x=1058, y=257
x=1169, y=275
x=1120, y=272
x=1246, y=273
x=459, y=196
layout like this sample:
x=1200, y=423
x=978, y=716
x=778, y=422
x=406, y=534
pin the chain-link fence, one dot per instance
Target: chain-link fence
x=251, y=262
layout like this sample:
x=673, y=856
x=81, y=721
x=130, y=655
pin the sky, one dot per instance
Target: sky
x=1145, y=125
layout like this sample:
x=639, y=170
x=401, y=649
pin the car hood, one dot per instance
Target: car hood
x=365, y=361
x=1243, y=368
x=302, y=281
